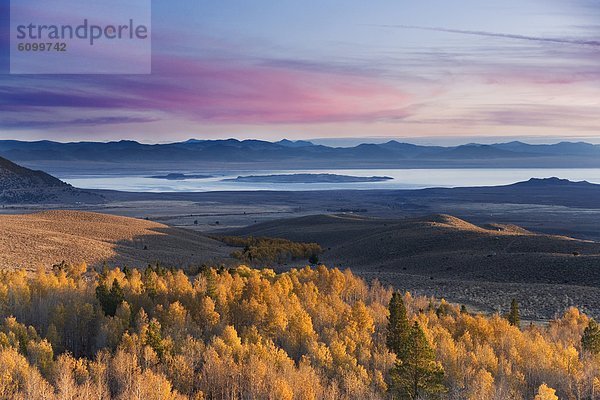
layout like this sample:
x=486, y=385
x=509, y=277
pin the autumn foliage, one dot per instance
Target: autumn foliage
x=256, y=250
x=252, y=334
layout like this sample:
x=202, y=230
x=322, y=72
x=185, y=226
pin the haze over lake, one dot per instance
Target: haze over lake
x=402, y=179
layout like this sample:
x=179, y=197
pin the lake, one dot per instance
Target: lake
x=402, y=179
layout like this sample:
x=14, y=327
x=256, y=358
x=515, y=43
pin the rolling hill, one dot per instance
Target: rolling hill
x=443, y=256
x=43, y=239
x=444, y=247
x=22, y=185
x=484, y=266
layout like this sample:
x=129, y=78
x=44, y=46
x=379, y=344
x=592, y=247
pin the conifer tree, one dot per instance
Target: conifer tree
x=154, y=337
x=514, y=317
x=110, y=299
x=398, y=328
x=417, y=374
x=590, y=341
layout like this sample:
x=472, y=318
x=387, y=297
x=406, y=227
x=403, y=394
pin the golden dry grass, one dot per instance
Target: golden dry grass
x=43, y=239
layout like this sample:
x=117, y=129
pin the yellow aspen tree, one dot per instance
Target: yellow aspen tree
x=545, y=393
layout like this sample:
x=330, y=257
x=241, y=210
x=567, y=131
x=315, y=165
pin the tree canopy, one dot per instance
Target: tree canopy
x=243, y=333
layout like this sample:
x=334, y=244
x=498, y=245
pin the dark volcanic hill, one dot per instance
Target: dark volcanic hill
x=13, y=176
x=23, y=185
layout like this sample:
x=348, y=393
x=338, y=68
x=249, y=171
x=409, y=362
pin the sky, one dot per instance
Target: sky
x=427, y=71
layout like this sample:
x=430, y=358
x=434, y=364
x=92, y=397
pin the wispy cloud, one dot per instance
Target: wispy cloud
x=77, y=122
x=584, y=42
x=244, y=92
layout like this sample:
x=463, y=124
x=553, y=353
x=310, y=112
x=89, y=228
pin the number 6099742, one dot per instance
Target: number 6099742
x=59, y=46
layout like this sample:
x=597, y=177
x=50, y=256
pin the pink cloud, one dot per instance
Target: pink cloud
x=221, y=91
x=234, y=92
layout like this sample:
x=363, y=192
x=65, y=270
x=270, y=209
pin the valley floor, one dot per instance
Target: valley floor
x=221, y=212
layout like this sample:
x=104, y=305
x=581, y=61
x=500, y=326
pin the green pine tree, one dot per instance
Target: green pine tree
x=514, y=317
x=110, y=299
x=398, y=326
x=590, y=341
x=417, y=374
x=154, y=337
x=117, y=293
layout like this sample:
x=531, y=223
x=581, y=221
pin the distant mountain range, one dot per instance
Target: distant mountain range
x=287, y=154
x=23, y=185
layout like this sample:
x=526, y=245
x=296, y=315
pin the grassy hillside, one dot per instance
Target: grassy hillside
x=443, y=246
x=40, y=240
x=444, y=256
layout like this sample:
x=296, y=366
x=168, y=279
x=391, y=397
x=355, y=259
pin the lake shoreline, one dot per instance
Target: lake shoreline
x=403, y=179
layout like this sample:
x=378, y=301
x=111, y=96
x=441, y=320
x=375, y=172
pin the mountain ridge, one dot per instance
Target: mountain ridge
x=303, y=154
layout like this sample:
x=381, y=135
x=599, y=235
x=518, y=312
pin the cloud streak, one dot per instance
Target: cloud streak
x=78, y=122
x=243, y=92
x=583, y=42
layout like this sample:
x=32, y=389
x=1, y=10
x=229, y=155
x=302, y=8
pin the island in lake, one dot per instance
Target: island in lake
x=179, y=177
x=308, y=178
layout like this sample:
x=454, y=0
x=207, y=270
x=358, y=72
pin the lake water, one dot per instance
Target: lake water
x=402, y=179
